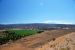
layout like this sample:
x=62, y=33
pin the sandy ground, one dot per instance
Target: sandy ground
x=48, y=40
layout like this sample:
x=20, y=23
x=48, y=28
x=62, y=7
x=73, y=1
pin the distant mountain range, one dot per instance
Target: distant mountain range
x=37, y=26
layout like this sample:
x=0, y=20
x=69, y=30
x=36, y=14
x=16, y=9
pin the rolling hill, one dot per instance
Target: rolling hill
x=37, y=26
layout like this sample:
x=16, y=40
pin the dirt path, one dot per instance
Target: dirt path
x=31, y=42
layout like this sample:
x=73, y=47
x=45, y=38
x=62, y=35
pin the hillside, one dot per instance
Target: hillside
x=48, y=40
x=66, y=42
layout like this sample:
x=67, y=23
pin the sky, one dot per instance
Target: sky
x=37, y=11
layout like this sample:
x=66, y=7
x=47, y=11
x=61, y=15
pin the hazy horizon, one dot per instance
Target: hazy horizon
x=34, y=23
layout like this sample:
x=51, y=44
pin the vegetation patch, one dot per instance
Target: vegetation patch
x=12, y=35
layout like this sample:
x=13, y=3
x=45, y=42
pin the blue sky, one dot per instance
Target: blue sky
x=37, y=11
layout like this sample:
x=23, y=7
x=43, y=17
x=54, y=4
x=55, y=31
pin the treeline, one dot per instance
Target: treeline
x=8, y=36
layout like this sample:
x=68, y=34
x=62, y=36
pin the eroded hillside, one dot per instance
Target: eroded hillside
x=66, y=42
x=48, y=40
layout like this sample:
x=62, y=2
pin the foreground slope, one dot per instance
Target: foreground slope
x=66, y=42
x=47, y=40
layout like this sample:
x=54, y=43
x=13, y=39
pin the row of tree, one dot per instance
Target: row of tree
x=9, y=36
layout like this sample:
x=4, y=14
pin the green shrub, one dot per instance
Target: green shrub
x=40, y=31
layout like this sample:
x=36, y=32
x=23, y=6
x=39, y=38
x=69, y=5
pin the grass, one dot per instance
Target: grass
x=24, y=32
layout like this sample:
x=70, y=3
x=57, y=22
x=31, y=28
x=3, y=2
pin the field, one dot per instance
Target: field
x=24, y=32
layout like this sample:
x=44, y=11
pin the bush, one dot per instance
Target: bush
x=3, y=40
x=9, y=36
x=5, y=31
x=40, y=31
x=53, y=39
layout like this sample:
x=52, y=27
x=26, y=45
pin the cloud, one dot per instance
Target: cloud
x=57, y=22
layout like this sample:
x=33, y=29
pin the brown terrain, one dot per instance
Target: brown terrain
x=48, y=40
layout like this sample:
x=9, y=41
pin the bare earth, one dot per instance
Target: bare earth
x=48, y=40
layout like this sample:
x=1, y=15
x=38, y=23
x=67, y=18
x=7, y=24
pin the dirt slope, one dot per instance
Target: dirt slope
x=37, y=42
x=66, y=42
